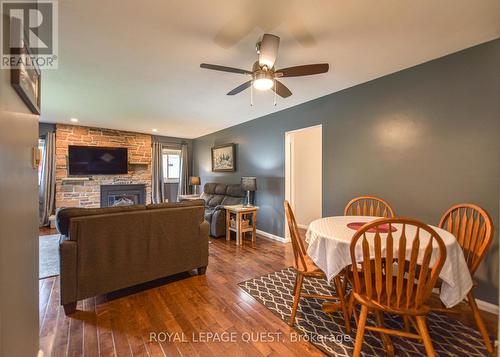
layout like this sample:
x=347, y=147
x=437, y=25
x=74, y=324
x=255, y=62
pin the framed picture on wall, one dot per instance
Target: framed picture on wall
x=223, y=158
x=26, y=80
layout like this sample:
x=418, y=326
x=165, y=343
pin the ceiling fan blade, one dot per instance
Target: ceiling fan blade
x=240, y=88
x=224, y=68
x=281, y=90
x=305, y=70
x=268, y=50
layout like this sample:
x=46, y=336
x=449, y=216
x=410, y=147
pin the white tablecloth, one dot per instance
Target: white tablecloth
x=329, y=242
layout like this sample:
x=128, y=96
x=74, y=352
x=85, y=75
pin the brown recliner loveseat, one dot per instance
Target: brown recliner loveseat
x=107, y=249
x=216, y=196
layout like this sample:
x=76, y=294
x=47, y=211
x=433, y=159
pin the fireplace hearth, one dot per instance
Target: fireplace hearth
x=122, y=195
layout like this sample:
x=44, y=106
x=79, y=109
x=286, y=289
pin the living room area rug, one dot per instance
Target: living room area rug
x=48, y=256
x=449, y=337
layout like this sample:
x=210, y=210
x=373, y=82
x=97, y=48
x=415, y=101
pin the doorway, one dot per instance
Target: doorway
x=303, y=174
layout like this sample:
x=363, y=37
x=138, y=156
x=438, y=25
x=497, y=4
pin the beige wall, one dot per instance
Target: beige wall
x=18, y=225
x=87, y=193
x=306, y=174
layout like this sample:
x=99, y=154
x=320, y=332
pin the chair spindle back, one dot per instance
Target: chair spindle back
x=402, y=285
x=299, y=250
x=473, y=228
x=369, y=206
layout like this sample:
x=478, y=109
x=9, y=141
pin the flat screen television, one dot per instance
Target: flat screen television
x=92, y=160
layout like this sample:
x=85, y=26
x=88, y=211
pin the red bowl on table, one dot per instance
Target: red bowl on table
x=383, y=228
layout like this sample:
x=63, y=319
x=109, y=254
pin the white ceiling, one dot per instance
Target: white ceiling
x=134, y=65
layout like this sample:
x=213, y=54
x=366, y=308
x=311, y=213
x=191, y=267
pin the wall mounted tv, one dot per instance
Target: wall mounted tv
x=92, y=160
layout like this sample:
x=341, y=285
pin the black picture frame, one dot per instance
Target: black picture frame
x=27, y=81
x=219, y=161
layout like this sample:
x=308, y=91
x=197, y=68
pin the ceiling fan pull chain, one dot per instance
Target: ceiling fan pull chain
x=251, y=94
x=275, y=93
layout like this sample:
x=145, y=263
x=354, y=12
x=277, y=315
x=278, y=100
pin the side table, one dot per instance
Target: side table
x=245, y=220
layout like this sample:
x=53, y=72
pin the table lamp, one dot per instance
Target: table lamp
x=195, y=181
x=248, y=184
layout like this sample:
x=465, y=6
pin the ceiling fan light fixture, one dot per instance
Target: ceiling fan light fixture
x=263, y=84
x=263, y=80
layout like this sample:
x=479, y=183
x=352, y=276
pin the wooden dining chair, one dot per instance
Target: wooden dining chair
x=473, y=227
x=305, y=268
x=369, y=206
x=403, y=288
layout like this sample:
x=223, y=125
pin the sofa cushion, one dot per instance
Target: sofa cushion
x=229, y=201
x=64, y=215
x=206, y=197
x=188, y=203
x=209, y=187
x=220, y=189
x=215, y=200
x=234, y=190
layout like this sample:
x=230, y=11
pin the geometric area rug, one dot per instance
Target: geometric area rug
x=326, y=331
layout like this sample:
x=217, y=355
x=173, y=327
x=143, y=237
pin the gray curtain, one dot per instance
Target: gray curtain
x=47, y=189
x=184, y=174
x=157, y=185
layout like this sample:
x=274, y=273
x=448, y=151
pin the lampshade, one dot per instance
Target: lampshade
x=194, y=180
x=249, y=183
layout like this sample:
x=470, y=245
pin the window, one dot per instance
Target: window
x=41, y=148
x=171, y=166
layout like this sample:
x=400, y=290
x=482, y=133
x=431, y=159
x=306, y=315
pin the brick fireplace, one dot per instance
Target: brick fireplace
x=85, y=191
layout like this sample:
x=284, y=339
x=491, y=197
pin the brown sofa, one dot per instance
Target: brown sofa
x=216, y=196
x=106, y=249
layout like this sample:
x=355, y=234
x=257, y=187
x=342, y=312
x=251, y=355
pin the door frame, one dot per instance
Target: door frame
x=289, y=173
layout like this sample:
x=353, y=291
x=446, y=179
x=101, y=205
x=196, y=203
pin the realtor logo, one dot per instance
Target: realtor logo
x=29, y=34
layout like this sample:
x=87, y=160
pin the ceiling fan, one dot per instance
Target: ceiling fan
x=264, y=75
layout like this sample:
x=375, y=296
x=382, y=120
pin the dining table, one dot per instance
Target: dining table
x=329, y=242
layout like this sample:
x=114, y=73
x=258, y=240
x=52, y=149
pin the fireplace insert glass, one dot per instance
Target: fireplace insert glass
x=122, y=194
x=92, y=160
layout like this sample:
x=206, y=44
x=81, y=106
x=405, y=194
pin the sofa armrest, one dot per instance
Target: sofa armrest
x=204, y=229
x=68, y=267
x=218, y=223
x=203, y=237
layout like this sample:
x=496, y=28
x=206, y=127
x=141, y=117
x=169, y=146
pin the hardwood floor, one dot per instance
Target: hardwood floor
x=121, y=323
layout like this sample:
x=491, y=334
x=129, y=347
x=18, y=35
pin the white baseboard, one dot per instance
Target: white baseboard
x=303, y=226
x=487, y=306
x=272, y=236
